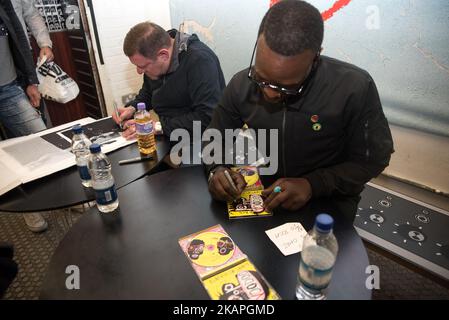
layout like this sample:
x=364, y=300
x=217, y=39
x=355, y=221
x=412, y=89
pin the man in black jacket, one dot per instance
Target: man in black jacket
x=333, y=136
x=8, y=268
x=182, y=81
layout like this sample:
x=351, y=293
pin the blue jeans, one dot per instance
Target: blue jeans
x=17, y=114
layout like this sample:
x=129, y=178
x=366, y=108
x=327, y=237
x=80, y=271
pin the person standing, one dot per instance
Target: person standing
x=18, y=112
x=30, y=16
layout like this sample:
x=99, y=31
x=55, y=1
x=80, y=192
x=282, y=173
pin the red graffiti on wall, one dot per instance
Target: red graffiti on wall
x=338, y=5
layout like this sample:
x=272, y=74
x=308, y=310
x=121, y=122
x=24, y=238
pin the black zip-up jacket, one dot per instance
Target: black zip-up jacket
x=190, y=90
x=23, y=60
x=351, y=144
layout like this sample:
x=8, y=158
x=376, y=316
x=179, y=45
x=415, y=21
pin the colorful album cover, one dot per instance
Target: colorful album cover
x=249, y=205
x=210, y=250
x=251, y=175
x=240, y=282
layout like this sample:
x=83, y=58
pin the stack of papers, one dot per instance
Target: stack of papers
x=28, y=158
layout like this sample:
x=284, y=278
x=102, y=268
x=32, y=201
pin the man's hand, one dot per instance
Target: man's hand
x=124, y=113
x=295, y=193
x=129, y=127
x=46, y=51
x=129, y=130
x=221, y=189
x=34, y=95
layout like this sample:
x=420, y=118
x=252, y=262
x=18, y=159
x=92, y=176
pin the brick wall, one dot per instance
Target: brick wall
x=114, y=18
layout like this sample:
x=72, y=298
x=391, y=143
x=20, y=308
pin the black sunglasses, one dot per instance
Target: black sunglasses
x=282, y=90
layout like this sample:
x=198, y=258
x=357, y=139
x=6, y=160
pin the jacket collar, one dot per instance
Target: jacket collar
x=182, y=41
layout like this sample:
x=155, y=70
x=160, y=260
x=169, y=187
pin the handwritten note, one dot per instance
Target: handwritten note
x=288, y=237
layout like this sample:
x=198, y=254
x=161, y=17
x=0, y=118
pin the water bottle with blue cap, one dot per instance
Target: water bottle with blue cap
x=102, y=180
x=318, y=256
x=80, y=148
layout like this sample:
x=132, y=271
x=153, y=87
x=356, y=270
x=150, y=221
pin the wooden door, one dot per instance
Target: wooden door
x=72, y=55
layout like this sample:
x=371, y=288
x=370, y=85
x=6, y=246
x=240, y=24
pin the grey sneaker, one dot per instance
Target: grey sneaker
x=35, y=222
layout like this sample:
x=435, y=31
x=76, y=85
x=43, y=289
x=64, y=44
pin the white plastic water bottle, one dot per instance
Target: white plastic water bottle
x=318, y=256
x=80, y=148
x=102, y=180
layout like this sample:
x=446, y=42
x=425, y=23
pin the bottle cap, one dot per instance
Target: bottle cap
x=141, y=106
x=324, y=223
x=77, y=129
x=95, y=148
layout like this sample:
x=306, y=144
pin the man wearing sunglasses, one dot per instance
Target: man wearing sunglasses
x=333, y=136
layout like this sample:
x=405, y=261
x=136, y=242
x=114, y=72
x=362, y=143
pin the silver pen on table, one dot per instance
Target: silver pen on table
x=135, y=160
x=108, y=142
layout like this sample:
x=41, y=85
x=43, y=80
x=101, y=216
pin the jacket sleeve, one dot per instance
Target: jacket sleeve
x=368, y=151
x=36, y=23
x=19, y=46
x=145, y=94
x=205, y=89
x=225, y=116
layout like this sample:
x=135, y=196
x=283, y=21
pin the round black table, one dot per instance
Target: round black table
x=135, y=254
x=63, y=188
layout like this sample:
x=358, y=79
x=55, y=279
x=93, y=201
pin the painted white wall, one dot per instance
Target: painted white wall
x=421, y=159
x=230, y=29
x=114, y=18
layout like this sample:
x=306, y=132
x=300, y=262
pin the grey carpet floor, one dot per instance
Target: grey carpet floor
x=33, y=253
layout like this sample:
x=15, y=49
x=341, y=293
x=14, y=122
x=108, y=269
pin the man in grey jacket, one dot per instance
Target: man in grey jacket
x=30, y=16
x=17, y=105
x=18, y=68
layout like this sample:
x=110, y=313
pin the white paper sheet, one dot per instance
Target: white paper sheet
x=29, y=158
x=288, y=237
x=8, y=179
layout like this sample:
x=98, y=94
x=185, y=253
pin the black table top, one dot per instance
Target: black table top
x=63, y=189
x=135, y=254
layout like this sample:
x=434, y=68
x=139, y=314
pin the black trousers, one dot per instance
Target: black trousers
x=8, y=268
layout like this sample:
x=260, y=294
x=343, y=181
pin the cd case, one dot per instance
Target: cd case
x=224, y=270
x=251, y=202
x=210, y=250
